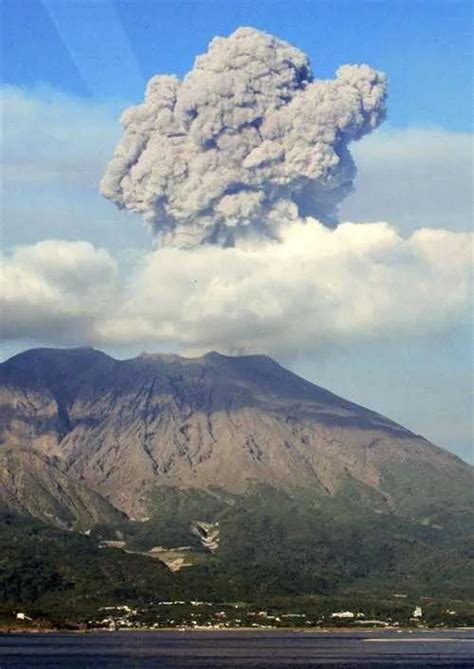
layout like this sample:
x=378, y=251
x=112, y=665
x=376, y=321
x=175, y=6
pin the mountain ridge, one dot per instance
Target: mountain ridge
x=123, y=427
x=210, y=356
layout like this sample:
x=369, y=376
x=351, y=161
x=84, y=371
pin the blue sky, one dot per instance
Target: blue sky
x=107, y=49
x=69, y=68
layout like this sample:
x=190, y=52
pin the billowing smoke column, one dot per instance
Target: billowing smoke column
x=246, y=142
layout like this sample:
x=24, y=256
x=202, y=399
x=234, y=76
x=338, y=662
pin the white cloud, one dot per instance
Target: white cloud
x=317, y=288
x=50, y=137
x=55, y=291
x=413, y=178
x=54, y=149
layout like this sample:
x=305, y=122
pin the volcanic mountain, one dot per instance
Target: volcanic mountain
x=120, y=429
x=215, y=477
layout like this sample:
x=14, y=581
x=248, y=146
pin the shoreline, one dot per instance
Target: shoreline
x=233, y=630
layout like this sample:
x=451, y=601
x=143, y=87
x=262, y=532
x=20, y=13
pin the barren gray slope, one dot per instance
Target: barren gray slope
x=123, y=427
x=31, y=483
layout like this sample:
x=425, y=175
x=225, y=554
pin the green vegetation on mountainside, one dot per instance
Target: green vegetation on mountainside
x=67, y=571
x=437, y=498
x=275, y=542
x=271, y=544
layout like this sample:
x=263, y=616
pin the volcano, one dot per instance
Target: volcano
x=126, y=427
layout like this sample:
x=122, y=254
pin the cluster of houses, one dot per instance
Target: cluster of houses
x=235, y=615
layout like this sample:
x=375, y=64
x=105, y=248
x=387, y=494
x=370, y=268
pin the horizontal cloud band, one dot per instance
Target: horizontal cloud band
x=317, y=287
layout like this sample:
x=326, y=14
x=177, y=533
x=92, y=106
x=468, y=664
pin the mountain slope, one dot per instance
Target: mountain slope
x=126, y=427
x=256, y=483
x=68, y=572
x=32, y=484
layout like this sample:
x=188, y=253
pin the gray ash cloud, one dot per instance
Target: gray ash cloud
x=248, y=141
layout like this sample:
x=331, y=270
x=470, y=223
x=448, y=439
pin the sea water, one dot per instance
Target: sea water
x=249, y=650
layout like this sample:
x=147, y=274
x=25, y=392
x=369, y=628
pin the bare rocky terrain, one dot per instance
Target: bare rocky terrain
x=82, y=425
x=31, y=483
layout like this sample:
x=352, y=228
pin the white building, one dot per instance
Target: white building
x=343, y=614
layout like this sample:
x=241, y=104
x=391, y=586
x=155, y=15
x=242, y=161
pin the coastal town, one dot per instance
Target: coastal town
x=214, y=616
x=202, y=615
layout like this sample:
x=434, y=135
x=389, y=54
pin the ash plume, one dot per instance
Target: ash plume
x=247, y=142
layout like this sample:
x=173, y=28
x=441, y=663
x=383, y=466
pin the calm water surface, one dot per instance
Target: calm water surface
x=242, y=650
